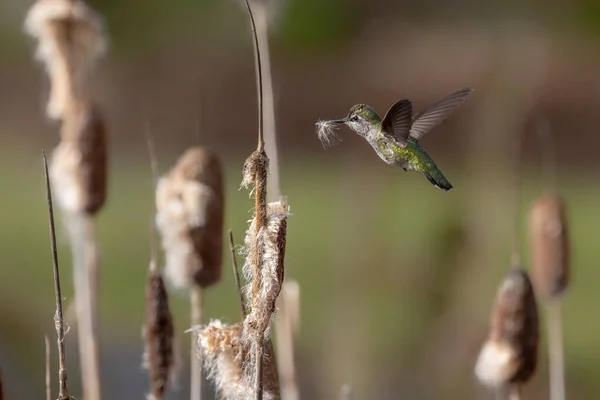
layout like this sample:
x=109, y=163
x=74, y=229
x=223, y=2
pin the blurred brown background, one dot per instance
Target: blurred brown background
x=396, y=277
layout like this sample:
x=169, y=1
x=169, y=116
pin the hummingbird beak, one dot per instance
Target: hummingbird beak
x=337, y=121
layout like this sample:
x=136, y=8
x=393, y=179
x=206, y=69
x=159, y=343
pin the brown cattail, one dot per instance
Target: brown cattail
x=272, y=241
x=159, y=355
x=549, y=245
x=79, y=165
x=190, y=205
x=70, y=39
x=223, y=355
x=510, y=353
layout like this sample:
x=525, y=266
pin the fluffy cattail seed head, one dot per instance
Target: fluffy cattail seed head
x=510, y=352
x=159, y=355
x=223, y=355
x=548, y=229
x=264, y=283
x=70, y=39
x=190, y=206
x=79, y=164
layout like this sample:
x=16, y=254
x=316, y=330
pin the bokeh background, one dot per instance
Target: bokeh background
x=397, y=277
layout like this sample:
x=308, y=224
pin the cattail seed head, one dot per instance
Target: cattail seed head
x=70, y=39
x=264, y=283
x=548, y=229
x=223, y=355
x=79, y=164
x=327, y=134
x=510, y=352
x=190, y=206
x=159, y=355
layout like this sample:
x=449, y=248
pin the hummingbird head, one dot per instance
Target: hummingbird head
x=361, y=119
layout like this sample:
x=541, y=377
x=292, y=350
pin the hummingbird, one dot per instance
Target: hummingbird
x=395, y=138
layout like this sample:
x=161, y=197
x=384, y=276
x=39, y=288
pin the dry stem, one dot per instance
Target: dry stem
x=86, y=279
x=286, y=326
x=236, y=274
x=48, y=385
x=262, y=33
x=196, y=357
x=514, y=392
x=63, y=393
x=259, y=82
x=555, y=346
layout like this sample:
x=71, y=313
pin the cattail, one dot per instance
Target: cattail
x=272, y=238
x=70, y=39
x=509, y=355
x=158, y=332
x=79, y=165
x=190, y=204
x=221, y=348
x=286, y=330
x=549, y=245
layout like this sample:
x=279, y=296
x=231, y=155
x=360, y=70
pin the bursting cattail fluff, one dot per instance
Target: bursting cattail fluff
x=220, y=346
x=327, y=134
x=158, y=332
x=271, y=239
x=548, y=229
x=190, y=206
x=79, y=163
x=70, y=39
x=510, y=352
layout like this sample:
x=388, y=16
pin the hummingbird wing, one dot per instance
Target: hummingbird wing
x=396, y=122
x=437, y=112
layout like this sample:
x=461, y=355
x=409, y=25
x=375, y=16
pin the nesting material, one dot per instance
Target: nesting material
x=70, y=39
x=548, y=229
x=221, y=349
x=159, y=355
x=327, y=134
x=510, y=352
x=79, y=163
x=190, y=207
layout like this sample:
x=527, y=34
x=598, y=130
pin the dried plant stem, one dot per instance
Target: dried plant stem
x=514, y=392
x=236, y=274
x=555, y=345
x=285, y=329
x=86, y=277
x=48, y=385
x=196, y=360
x=1, y=386
x=262, y=33
x=516, y=252
x=63, y=393
x=259, y=80
x=258, y=382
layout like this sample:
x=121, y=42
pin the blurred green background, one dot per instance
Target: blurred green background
x=396, y=277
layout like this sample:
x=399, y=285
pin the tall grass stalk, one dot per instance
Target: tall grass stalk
x=48, y=384
x=59, y=322
x=550, y=247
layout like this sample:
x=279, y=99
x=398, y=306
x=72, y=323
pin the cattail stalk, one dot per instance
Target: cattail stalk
x=236, y=275
x=70, y=39
x=63, y=392
x=550, y=258
x=195, y=358
x=48, y=384
x=286, y=328
x=1, y=386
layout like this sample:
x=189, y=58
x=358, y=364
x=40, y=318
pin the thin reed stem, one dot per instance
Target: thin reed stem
x=556, y=352
x=262, y=32
x=544, y=132
x=259, y=81
x=236, y=274
x=86, y=278
x=258, y=379
x=514, y=392
x=516, y=251
x=48, y=384
x=63, y=393
x=285, y=331
x=195, y=360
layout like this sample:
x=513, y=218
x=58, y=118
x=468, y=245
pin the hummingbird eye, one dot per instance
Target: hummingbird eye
x=354, y=119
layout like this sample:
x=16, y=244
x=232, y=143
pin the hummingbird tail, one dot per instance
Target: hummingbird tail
x=439, y=181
